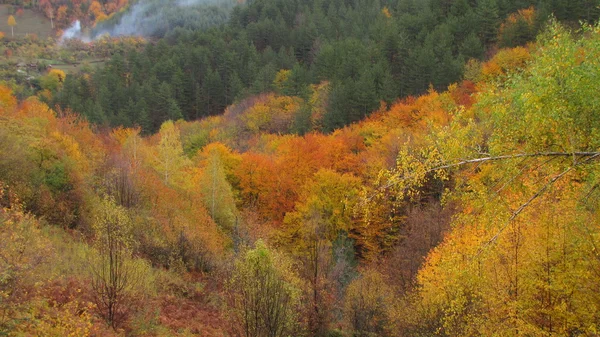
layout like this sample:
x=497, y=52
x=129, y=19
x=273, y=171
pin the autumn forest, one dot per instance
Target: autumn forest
x=275, y=168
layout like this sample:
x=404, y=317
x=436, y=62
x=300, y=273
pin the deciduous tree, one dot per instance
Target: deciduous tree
x=263, y=295
x=112, y=276
x=12, y=23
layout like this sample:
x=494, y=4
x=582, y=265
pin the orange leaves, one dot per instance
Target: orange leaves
x=121, y=134
x=263, y=187
x=462, y=94
x=7, y=100
x=96, y=9
x=526, y=15
x=34, y=109
x=61, y=13
x=271, y=181
x=172, y=215
x=413, y=115
x=504, y=61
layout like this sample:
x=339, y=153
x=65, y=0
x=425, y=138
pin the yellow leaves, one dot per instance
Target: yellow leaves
x=69, y=146
x=73, y=319
x=228, y=158
x=507, y=277
x=170, y=160
x=213, y=134
x=102, y=17
x=122, y=135
x=11, y=21
x=58, y=74
x=34, y=109
x=318, y=103
x=411, y=171
x=326, y=202
x=263, y=293
x=22, y=250
x=53, y=80
x=112, y=225
x=368, y=306
x=548, y=105
x=45, y=94
x=274, y=114
x=386, y=12
x=504, y=62
x=280, y=78
x=257, y=118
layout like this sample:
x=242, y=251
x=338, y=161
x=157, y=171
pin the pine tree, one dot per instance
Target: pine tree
x=489, y=20
x=97, y=115
x=472, y=47
x=213, y=87
x=143, y=119
x=173, y=111
x=166, y=107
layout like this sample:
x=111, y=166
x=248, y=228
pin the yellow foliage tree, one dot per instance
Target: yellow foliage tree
x=274, y=115
x=263, y=294
x=53, y=80
x=521, y=258
x=369, y=305
x=12, y=23
x=170, y=159
x=112, y=274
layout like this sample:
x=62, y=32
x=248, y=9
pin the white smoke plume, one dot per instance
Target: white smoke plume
x=74, y=32
x=150, y=18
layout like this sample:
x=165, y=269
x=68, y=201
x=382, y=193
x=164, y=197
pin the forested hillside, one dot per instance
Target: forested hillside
x=311, y=168
x=368, y=52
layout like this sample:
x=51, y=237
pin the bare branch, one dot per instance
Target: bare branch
x=497, y=158
x=515, y=156
x=535, y=196
x=579, y=158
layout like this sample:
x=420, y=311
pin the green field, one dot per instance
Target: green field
x=29, y=22
x=73, y=68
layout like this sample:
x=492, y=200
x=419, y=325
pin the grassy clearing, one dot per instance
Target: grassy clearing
x=29, y=22
x=73, y=68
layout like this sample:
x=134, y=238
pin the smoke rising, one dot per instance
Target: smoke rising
x=75, y=32
x=155, y=18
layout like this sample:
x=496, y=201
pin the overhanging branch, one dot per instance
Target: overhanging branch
x=576, y=155
x=541, y=191
x=579, y=158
